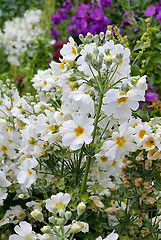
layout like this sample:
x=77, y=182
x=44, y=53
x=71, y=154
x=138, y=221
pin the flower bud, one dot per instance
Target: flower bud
x=60, y=221
x=45, y=229
x=8, y=81
x=21, y=196
x=52, y=220
x=68, y=215
x=81, y=37
x=95, y=52
x=107, y=35
x=81, y=208
x=101, y=57
x=75, y=228
x=88, y=58
x=89, y=37
x=54, y=209
x=37, y=215
x=61, y=213
x=102, y=35
x=96, y=39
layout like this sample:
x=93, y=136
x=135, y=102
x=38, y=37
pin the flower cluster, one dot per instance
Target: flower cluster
x=19, y=33
x=154, y=10
x=87, y=18
x=58, y=218
x=78, y=129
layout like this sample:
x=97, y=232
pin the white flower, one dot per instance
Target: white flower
x=111, y=236
x=24, y=232
x=142, y=130
x=26, y=175
x=123, y=68
x=3, y=181
x=69, y=50
x=121, y=144
x=120, y=104
x=19, y=34
x=88, y=48
x=34, y=205
x=57, y=202
x=3, y=195
x=77, y=131
x=81, y=102
x=15, y=214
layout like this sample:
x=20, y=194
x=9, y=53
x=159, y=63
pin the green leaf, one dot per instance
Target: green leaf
x=135, y=70
x=158, y=46
x=158, y=35
x=157, y=60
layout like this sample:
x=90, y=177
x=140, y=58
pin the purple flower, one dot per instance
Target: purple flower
x=150, y=96
x=67, y=5
x=84, y=7
x=55, y=18
x=105, y=3
x=62, y=13
x=81, y=13
x=106, y=21
x=151, y=88
x=97, y=15
x=54, y=32
x=150, y=11
x=158, y=17
x=72, y=29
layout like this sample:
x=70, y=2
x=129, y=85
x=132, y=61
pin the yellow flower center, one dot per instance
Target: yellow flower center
x=78, y=131
x=29, y=172
x=28, y=237
x=150, y=142
x=52, y=128
x=20, y=214
x=45, y=82
x=121, y=61
x=104, y=158
x=141, y=133
x=72, y=86
x=2, y=220
x=120, y=141
x=59, y=205
x=114, y=163
x=122, y=100
x=73, y=51
x=42, y=153
x=62, y=64
x=12, y=98
x=4, y=148
x=32, y=140
x=152, y=152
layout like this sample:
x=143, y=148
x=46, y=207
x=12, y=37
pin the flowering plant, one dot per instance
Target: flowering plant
x=80, y=164
x=19, y=33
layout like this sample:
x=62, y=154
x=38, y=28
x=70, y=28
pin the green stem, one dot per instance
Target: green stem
x=104, y=130
x=88, y=161
x=97, y=116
